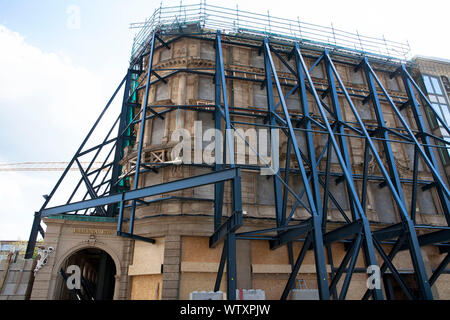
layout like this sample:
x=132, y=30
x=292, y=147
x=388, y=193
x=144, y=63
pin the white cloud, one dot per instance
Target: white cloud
x=47, y=105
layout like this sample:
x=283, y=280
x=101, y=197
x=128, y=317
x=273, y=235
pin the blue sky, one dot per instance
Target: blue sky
x=54, y=80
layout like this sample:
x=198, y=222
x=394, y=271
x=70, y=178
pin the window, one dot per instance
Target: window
x=157, y=131
x=266, y=195
x=162, y=91
x=206, y=89
x=439, y=102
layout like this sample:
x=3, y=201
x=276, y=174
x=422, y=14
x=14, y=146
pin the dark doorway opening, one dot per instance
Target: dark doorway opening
x=97, y=270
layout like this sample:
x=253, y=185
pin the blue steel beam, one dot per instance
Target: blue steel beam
x=347, y=230
x=286, y=181
x=223, y=260
x=228, y=229
x=368, y=243
x=93, y=160
x=230, y=225
x=440, y=269
x=395, y=249
x=98, y=172
x=296, y=268
x=411, y=135
x=319, y=253
x=351, y=267
x=89, y=187
x=121, y=140
x=218, y=187
x=167, y=187
x=414, y=187
x=394, y=271
x=348, y=256
x=291, y=234
x=382, y=131
x=269, y=68
x=36, y=222
x=414, y=245
x=142, y=130
x=231, y=236
x=309, y=137
x=340, y=129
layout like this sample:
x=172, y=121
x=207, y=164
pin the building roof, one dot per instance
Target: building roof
x=441, y=60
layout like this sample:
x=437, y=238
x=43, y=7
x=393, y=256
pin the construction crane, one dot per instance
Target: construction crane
x=46, y=166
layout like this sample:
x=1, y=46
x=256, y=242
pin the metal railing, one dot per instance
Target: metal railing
x=244, y=22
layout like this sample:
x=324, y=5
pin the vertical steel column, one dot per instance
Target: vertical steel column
x=118, y=153
x=317, y=236
x=142, y=129
x=230, y=239
x=340, y=128
x=273, y=142
x=383, y=132
x=445, y=203
x=309, y=139
x=286, y=181
x=229, y=139
x=33, y=235
x=219, y=163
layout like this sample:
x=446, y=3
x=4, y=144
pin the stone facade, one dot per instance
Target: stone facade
x=67, y=235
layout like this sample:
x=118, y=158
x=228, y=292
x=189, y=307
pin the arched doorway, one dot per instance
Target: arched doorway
x=97, y=280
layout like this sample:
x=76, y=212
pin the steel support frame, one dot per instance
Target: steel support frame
x=226, y=230
x=359, y=212
x=415, y=250
x=394, y=182
x=314, y=229
x=316, y=219
x=142, y=130
x=36, y=227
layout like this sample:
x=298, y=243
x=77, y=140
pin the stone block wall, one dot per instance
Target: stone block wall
x=16, y=278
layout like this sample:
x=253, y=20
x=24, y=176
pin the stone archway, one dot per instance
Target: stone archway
x=98, y=275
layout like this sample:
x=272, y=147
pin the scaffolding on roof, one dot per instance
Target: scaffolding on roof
x=237, y=21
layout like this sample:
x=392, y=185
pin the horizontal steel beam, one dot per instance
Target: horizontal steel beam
x=135, y=237
x=177, y=185
x=390, y=232
x=343, y=232
x=233, y=223
x=291, y=235
x=432, y=238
